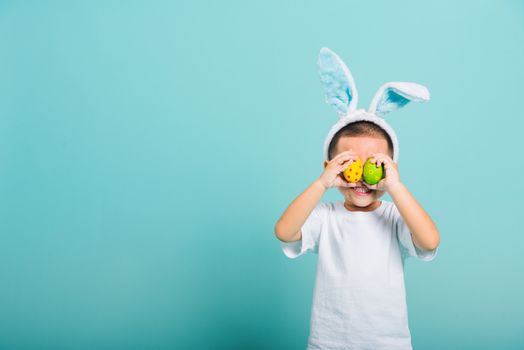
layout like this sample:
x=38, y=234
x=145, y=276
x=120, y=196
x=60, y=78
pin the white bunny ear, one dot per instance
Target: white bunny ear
x=337, y=81
x=395, y=95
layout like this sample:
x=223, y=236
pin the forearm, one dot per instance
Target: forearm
x=294, y=217
x=424, y=231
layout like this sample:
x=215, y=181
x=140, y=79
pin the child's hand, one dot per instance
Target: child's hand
x=392, y=177
x=331, y=177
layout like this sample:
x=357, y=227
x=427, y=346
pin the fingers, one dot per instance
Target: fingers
x=346, y=163
x=371, y=187
x=380, y=186
x=344, y=156
x=382, y=159
x=343, y=183
x=342, y=163
x=340, y=181
x=377, y=187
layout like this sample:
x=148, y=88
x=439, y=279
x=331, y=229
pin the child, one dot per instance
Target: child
x=359, y=298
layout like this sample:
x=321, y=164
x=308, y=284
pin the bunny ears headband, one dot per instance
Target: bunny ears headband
x=341, y=93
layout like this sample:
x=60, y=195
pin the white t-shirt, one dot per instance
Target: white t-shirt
x=359, y=300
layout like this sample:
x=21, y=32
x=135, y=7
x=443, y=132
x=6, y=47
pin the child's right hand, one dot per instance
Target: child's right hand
x=332, y=175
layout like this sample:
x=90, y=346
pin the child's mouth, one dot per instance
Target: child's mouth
x=361, y=191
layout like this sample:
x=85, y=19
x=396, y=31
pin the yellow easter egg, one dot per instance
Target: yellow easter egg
x=353, y=172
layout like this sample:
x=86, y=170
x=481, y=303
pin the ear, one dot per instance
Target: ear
x=395, y=95
x=337, y=82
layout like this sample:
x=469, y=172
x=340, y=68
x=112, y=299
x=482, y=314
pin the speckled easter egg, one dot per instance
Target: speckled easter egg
x=372, y=173
x=353, y=172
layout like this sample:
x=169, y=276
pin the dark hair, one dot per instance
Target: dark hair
x=360, y=128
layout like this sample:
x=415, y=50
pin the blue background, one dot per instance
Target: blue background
x=147, y=149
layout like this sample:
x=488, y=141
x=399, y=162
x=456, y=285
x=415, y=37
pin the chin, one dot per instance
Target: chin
x=360, y=201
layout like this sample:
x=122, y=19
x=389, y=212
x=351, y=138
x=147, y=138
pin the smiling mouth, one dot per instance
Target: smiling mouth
x=361, y=191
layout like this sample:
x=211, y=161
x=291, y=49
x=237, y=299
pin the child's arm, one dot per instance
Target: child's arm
x=424, y=232
x=287, y=228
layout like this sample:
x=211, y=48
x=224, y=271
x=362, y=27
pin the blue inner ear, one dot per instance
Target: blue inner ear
x=335, y=82
x=391, y=101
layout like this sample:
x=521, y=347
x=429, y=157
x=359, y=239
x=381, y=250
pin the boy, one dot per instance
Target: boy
x=359, y=299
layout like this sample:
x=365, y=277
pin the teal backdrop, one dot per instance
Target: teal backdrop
x=147, y=148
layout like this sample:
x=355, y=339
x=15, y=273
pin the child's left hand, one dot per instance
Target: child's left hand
x=391, y=176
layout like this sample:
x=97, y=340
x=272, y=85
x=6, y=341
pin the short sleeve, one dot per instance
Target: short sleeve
x=407, y=246
x=311, y=231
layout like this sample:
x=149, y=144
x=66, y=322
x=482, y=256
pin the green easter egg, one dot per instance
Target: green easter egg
x=372, y=173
